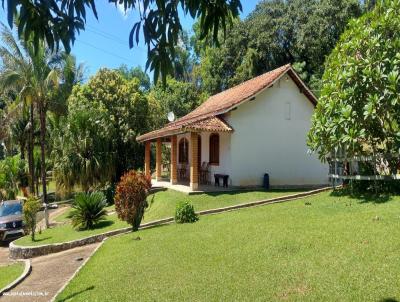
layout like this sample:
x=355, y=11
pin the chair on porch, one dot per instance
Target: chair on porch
x=205, y=173
x=182, y=172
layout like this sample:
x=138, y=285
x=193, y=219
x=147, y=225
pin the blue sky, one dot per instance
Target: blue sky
x=104, y=43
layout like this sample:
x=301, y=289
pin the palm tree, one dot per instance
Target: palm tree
x=40, y=78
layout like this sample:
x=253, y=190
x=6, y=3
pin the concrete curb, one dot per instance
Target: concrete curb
x=22, y=277
x=77, y=271
x=24, y=252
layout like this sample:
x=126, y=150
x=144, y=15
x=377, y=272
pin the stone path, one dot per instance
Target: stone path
x=49, y=274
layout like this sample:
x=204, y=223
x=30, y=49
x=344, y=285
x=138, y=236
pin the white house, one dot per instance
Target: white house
x=257, y=127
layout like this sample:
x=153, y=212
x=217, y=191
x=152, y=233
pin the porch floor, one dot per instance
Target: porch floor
x=185, y=188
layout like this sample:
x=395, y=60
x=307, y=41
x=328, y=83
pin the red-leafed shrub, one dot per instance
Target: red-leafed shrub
x=130, y=197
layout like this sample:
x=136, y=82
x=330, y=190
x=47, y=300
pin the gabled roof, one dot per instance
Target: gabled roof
x=212, y=124
x=227, y=100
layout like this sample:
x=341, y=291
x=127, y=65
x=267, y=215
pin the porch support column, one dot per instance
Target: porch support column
x=174, y=172
x=147, y=159
x=194, y=173
x=158, y=159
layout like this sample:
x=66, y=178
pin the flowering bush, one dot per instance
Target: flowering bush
x=130, y=197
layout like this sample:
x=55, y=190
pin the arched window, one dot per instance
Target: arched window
x=183, y=151
x=214, y=149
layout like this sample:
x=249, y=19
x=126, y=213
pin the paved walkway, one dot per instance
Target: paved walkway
x=49, y=274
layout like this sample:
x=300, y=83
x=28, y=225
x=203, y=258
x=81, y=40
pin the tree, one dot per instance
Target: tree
x=98, y=143
x=34, y=73
x=276, y=33
x=176, y=96
x=82, y=152
x=12, y=174
x=137, y=73
x=130, y=198
x=359, y=108
x=59, y=21
x=30, y=209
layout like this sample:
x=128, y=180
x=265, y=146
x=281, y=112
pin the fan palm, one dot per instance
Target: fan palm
x=88, y=210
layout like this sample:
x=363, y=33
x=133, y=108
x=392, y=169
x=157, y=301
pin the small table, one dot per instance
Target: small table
x=224, y=177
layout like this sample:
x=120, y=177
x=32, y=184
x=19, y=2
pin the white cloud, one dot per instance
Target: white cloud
x=124, y=13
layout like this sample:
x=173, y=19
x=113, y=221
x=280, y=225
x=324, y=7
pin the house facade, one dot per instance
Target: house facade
x=257, y=127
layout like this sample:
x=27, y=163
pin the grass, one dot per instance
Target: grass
x=161, y=205
x=66, y=232
x=321, y=248
x=10, y=273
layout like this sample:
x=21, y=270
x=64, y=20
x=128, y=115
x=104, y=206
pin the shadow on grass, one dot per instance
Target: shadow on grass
x=41, y=239
x=257, y=190
x=366, y=197
x=100, y=225
x=389, y=300
x=76, y=294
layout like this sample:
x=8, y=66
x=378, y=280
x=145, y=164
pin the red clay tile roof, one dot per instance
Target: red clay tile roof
x=226, y=100
x=212, y=124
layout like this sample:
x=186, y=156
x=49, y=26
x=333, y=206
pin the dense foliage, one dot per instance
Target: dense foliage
x=276, y=33
x=359, y=108
x=130, y=198
x=88, y=210
x=30, y=209
x=184, y=213
x=58, y=21
x=96, y=143
x=12, y=177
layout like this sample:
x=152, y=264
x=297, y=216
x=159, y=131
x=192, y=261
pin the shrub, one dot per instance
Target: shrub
x=88, y=210
x=184, y=213
x=109, y=192
x=30, y=209
x=130, y=198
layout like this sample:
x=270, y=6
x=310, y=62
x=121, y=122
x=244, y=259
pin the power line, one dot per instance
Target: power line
x=105, y=51
x=109, y=36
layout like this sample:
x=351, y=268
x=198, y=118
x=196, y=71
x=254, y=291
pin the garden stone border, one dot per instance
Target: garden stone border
x=22, y=277
x=25, y=252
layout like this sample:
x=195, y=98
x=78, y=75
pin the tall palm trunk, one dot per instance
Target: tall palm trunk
x=42, y=115
x=30, y=148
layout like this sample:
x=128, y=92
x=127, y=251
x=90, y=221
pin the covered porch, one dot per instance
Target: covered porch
x=194, y=155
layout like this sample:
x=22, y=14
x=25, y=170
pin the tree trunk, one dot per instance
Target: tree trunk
x=42, y=115
x=30, y=148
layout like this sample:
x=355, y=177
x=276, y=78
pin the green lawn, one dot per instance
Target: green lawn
x=321, y=248
x=161, y=205
x=10, y=273
x=66, y=232
x=66, y=216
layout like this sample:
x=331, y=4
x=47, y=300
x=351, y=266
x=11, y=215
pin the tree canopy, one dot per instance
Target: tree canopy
x=359, y=107
x=276, y=33
x=58, y=22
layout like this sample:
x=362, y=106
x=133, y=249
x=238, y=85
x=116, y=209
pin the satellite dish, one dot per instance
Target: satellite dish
x=171, y=116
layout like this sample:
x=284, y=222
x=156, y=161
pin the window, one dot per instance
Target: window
x=183, y=151
x=214, y=149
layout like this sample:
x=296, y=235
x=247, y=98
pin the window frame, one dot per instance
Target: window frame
x=214, y=147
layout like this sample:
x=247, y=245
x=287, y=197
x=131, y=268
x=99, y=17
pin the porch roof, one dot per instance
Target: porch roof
x=208, y=115
x=212, y=124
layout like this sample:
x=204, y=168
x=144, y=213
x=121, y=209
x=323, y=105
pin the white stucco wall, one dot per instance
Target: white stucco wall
x=269, y=138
